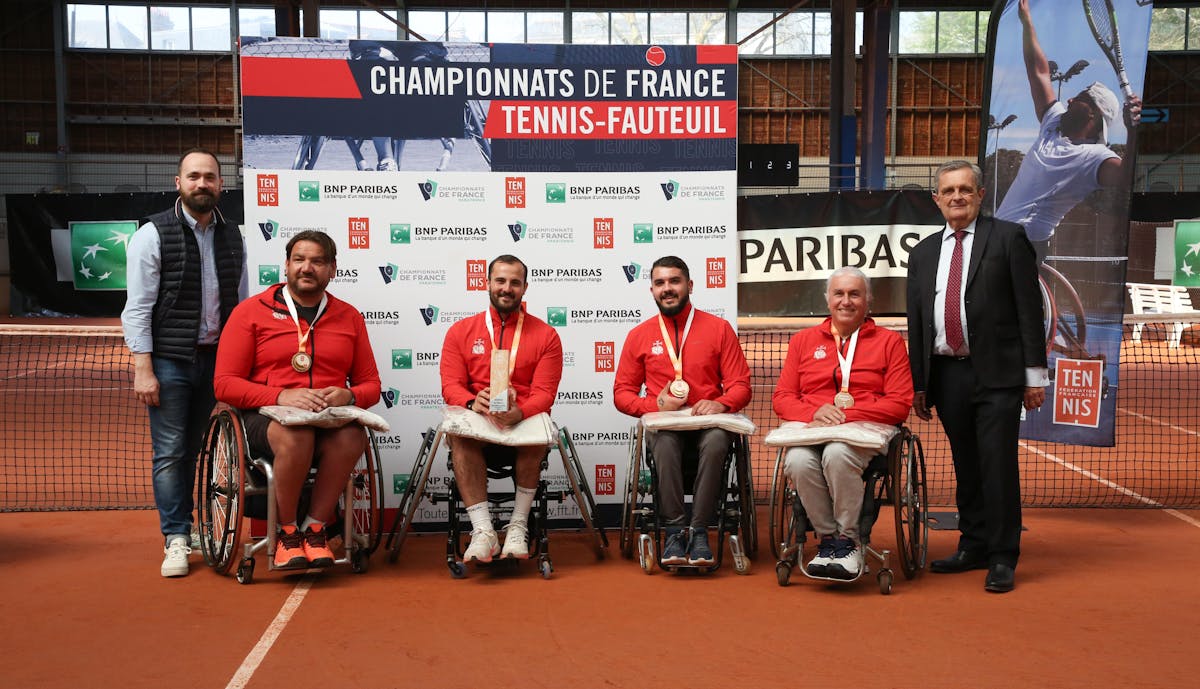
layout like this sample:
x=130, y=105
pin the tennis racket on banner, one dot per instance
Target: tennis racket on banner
x=1102, y=19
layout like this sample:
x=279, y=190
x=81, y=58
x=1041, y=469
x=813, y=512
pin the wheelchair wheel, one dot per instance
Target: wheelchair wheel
x=581, y=491
x=219, y=490
x=412, y=495
x=367, y=510
x=908, y=502
x=629, y=502
x=748, y=517
x=780, y=511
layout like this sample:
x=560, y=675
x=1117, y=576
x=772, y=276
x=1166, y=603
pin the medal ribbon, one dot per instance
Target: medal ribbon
x=301, y=336
x=676, y=360
x=512, y=357
x=846, y=360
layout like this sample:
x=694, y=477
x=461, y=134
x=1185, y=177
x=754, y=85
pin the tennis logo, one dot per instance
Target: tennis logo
x=606, y=357
x=269, y=229
x=268, y=275
x=1078, y=391
x=517, y=230
x=670, y=189
x=556, y=316
x=391, y=397
x=429, y=314
x=98, y=253
x=556, y=192
x=428, y=189
x=476, y=275
x=514, y=192
x=714, y=269
x=606, y=479
x=268, y=190
x=360, y=233
x=602, y=233
x=643, y=233
x=631, y=271
x=400, y=233
x=310, y=192
x=402, y=359
x=389, y=272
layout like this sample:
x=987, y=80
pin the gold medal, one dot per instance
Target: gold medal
x=843, y=400
x=301, y=361
x=679, y=389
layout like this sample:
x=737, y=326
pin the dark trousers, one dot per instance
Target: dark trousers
x=707, y=449
x=981, y=425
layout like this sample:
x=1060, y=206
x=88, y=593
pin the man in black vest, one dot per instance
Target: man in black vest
x=186, y=272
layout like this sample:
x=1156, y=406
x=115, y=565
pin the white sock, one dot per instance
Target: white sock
x=522, y=503
x=308, y=521
x=481, y=517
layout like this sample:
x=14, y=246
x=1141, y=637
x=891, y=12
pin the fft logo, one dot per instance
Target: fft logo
x=556, y=192
x=268, y=275
x=556, y=316
x=391, y=397
x=269, y=229
x=606, y=479
x=310, y=192
x=400, y=233
x=514, y=192
x=631, y=271
x=268, y=190
x=715, y=272
x=402, y=359
x=429, y=314
x=670, y=189
x=517, y=230
x=428, y=188
x=606, y=357
x=389, y=272
x=602, y=233
x=476, y=275
x=643, y=233
x=360, y=233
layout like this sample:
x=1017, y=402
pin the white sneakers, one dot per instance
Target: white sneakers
x=484, y=546
x=516, y=541
x=175, y=561
x=847, y=560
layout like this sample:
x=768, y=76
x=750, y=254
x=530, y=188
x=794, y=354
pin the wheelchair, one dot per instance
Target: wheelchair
x=232, y=485
x=499, y=503
x=736, y=519
x=896, y=478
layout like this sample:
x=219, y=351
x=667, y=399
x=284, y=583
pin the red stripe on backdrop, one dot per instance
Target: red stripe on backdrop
x=289, y=77
x=716, y=54
x=716, y=119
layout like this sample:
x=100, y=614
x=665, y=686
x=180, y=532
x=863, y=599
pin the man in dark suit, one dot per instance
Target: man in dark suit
x=978, y=354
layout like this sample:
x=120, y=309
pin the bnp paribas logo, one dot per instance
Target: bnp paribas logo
x=98, y=253
x=632, y=271
x=391, y=397
x=556, y=316
x=310, y=192
x=643, y=233
x=556, y=192
x=517, y=230
x=269, y=229
x=268, y=275
x=400, y=233
x=402, y=359
x=389, y=272
x=429, y=314
x=428, y=188
x=670, y=189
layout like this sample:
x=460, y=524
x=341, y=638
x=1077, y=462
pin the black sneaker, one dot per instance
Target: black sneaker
x=699, y=554
x=675, y=551
x=818, y=566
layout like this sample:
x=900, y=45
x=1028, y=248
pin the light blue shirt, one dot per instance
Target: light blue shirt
x=144, y=271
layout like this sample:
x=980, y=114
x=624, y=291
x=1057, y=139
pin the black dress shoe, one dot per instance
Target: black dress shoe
x=999, y=579
x=960, y=561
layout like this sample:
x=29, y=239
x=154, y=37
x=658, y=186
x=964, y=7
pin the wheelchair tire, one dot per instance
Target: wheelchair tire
x=907, y=481
x=748, y=517
x=582, y=492
x=780, y=530
x=367, y=510
x=629, y=501
x=408, y=502
x=220, y=490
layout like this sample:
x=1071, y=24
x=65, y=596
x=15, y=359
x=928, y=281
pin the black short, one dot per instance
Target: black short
x=499, y=456
x=256, y=425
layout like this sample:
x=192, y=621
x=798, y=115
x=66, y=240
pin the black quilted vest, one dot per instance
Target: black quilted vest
x=176, y=321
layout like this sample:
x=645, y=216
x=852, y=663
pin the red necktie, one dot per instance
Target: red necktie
x=954, y=332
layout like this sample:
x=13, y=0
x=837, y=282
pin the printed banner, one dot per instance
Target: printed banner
x=425, y=161
x=1058, y=156
x=1187, y=253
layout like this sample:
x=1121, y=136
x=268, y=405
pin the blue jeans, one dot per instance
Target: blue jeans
x=177, y=425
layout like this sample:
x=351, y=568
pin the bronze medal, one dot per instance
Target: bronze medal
x=301, y=361
x=679, y=389
x=843, y=400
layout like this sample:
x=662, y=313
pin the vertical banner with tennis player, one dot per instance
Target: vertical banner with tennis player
x=424, y=161
x=1061, y=118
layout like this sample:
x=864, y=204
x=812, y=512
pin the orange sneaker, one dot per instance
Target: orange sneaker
x=315, y=549
x=289, y=547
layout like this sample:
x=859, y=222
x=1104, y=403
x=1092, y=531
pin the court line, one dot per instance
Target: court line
x=1161, y=423
x=253, y=659
x=1111, y=484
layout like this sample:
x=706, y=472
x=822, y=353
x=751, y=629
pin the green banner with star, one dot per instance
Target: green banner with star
x=98, y=253
x=1187, y=253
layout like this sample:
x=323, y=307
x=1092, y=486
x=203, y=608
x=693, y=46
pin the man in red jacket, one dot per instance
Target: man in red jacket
x=535, y=359
x=683, y=357
x=297, y=345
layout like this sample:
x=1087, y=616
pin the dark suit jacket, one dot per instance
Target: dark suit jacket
x=1005, y=329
